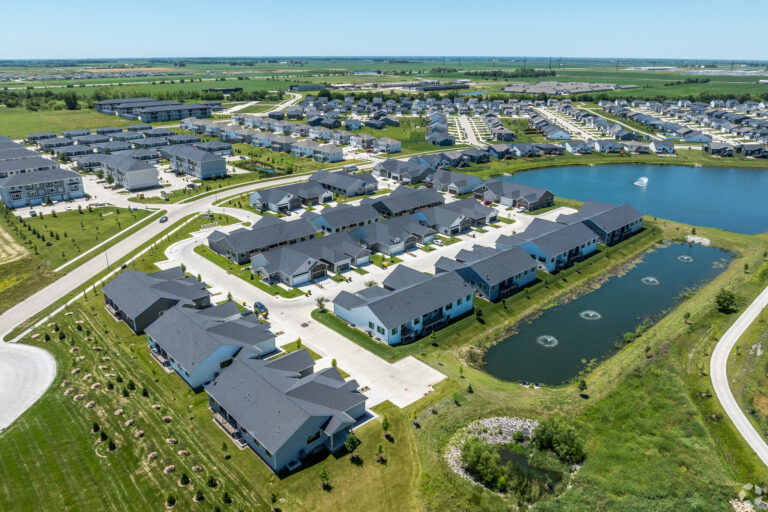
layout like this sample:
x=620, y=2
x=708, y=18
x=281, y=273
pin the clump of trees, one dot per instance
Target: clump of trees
x=556, y=435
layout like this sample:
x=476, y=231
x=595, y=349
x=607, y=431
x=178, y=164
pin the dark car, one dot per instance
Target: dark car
x=163, y=219
x=261, y=308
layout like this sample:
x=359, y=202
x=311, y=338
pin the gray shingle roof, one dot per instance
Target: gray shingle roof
x=607, y=217
x=265, y=234
x=404, y=304
x=31, y=178
x=192, y=335
x=272, y=401
x=134, y=291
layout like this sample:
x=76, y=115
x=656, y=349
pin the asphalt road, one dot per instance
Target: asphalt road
x=718, y=371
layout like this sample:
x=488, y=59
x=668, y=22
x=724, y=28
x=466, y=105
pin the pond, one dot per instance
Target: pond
x=550, y=348
x=547, y=478
x=728, y=198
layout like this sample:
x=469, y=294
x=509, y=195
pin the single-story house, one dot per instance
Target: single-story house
x=409, y=305
x=282, y=410
x=198, y=344
x=267, y=233
x=138, y=299
x=494, y=274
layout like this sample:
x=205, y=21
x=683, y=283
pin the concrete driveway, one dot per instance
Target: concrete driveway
x=402, y=382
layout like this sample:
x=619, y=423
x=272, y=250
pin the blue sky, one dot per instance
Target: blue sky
x=704, y=29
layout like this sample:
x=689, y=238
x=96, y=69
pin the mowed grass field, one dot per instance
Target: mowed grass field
x=76, y=232
x=17, y=123
x=50, y=460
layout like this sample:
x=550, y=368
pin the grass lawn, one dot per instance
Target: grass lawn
x=69, y=234
x=379, y=260
x=505, y=220
x=360, y=271
x=81, y=474
x=146, y=262
x=294, y=346
x=448, y=240
x=559, y=203
x=18, y=122
x=245, y=274
x=410, y=133
x=427, y=248
x=381, y=191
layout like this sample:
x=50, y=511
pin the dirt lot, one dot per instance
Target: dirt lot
x=10, y=250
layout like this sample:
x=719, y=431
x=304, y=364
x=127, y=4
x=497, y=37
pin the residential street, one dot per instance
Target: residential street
x=718, y=371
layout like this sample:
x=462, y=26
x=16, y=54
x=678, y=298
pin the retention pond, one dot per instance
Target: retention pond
x=552, y=348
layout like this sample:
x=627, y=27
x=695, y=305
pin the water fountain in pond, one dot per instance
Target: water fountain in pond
x=642, y=181
x=590, y=314
x=684, y=258
x=649, y=280
x=547, y=341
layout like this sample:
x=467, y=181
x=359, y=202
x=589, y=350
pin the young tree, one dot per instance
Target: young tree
x=333, y=362
x=170, y=501
x=111, y=446
x=324, y=479
x=351, y=445
x=184, y=480
x=95, y=427
x=110, y=179
x=385, y=425
x=320, y=302
x=211, y=482
x=199, y=496
x=582, y=385
x=226, y=498
x=379, y=453
x=103, y=436
x=687, y=316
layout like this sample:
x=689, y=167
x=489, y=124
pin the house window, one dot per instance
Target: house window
x=416, y=321
x=468, y=297
x=394, y=331
x=458, y=302
x=449, y=306
x=269, y=453
x=313, y=437
x=380, y=329
x=370, y=325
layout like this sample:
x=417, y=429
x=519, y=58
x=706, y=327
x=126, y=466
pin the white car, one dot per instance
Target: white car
x=439, y=242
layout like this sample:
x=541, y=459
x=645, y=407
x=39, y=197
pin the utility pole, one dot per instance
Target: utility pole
x=617, y=64
x=525, y=60
x=550, y=63
x=732, y=62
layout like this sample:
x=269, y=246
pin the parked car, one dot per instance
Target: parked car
x=439, y=242
x=486, y=203
x=163, y=219
x=32, y=213
x=261, y=308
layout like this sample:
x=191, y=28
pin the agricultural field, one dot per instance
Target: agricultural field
x=17, y=123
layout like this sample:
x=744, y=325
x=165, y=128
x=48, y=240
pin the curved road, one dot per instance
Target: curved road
x=26, y=371
x=718, y=371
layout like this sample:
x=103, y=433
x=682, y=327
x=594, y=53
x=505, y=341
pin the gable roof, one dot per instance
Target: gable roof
x=135, y=291
x=272, y=400
x=192, y=335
